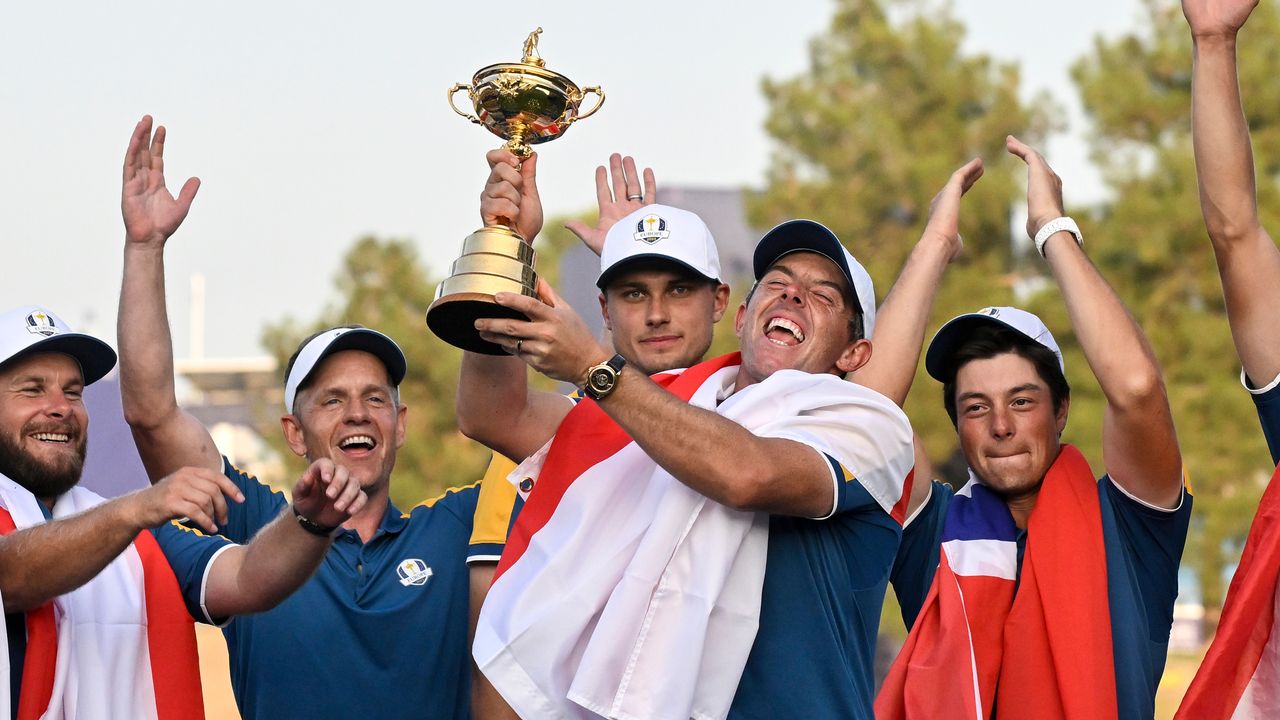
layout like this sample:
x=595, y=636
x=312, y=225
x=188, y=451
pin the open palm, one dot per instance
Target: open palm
x=151, y=213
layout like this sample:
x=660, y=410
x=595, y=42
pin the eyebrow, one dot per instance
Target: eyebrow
x=1025, y=387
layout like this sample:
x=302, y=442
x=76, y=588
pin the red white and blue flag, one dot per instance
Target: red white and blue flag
x=1047, y=651
x=1240, y=675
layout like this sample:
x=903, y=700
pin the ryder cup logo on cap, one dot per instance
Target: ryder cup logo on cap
x=661, y=233
x=651, y=229
x=955, y=331
x=342, y=338
x=40, y=323
x=31, y=329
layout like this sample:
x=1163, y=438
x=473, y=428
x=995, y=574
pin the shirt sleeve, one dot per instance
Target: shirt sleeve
x=866, y=440
x=261, y=505
x=496, y=508
x=191, y=554
x=917, y=560
x=1267, y=401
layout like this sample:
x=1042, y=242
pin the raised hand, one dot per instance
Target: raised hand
x=944, y=212
x=617, y=199
x=151, y=213
x=510, y=195
x=1217, y=18
x=198, y=494
x=554, y=341
x=326, y=494
x=1044, y=187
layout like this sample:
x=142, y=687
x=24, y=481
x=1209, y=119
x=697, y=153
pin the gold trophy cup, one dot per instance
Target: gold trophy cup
x=525, y=104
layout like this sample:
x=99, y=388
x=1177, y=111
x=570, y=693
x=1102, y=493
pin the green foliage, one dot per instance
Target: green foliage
x=1151, y=244
x=868, y=135
x=382, y=285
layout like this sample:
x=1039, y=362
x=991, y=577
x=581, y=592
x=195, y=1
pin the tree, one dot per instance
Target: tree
x=867, y=136
x=1150, y=239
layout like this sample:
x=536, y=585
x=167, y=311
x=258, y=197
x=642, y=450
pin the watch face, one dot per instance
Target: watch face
x=601, y=379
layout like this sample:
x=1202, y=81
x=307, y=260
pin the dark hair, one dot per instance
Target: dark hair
x=857, y=330
x=989, y=340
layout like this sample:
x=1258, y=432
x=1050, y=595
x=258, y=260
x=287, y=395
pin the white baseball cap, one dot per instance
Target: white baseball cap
x=31, y=329
x=342, y=338
x=956, y=330
x=810, y=236
x=659, y=232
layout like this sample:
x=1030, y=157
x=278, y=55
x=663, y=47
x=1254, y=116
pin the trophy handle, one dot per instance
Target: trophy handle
x=599, y=101
x=454, y=91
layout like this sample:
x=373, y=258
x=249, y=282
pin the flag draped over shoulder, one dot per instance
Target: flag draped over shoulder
x=625, y=594
x=1048, y=649
x=1240, y=675
x=120, y=646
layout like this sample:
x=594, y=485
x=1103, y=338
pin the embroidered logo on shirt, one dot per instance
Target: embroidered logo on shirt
x=413, y=572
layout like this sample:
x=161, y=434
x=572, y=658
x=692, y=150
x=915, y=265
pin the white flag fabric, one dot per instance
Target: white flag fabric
x=639, y=597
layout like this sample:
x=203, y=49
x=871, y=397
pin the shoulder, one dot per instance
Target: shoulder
x=459, y=502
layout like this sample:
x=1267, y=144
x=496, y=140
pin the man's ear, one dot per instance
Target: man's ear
x=400, y=424
x=293, y=435
x=1061, y=419
x=739, y=320
x=855, y=355
x=604, y=312
x=721, y=302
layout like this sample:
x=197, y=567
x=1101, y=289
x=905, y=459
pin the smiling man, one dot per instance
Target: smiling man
x=99, y=595
x=684, y=533
x=381, y=629
x=1044, y=592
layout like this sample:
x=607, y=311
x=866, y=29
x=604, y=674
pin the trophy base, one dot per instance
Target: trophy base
x=494, y=259
x=452, y=318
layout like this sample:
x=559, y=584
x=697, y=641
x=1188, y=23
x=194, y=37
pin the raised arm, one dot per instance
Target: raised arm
x=902, y=318
x=618, y=193
x=54, y=558
x=167, y=437
x=1139, y=445
x=495, y=404
x=1248, y=260
x=283, y=555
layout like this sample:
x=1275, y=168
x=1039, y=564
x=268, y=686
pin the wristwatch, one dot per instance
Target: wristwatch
x=603, y=378
x=1054, y=226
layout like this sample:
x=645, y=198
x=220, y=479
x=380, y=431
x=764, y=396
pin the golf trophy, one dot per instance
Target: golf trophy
x=525, y=104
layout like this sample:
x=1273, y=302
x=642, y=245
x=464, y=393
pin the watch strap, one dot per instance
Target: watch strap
x=312, y=526
x=1055, y=226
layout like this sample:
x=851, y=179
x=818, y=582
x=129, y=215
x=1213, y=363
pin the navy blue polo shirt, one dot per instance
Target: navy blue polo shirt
x=1143, y=546
x=379, y=631
x=824, y=585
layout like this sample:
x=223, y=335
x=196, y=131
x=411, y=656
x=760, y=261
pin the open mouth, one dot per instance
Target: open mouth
x=357, y=445
x=782, y=331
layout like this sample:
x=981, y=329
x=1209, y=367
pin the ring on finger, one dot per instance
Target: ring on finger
x=519, y=344
x=637, y=196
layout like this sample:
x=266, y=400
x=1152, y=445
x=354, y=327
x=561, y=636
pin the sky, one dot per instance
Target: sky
x=311, y=124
